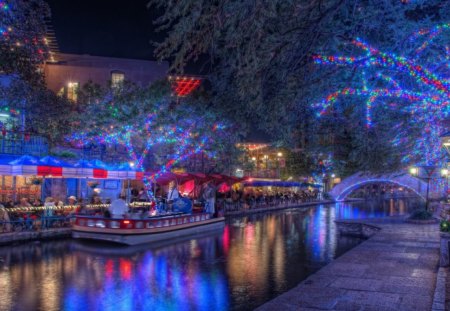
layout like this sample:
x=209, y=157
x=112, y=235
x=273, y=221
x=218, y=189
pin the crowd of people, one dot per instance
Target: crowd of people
x=214, y=202
x=28, y=214
x=240, y=200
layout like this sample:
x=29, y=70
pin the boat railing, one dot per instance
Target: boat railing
x=146, y=223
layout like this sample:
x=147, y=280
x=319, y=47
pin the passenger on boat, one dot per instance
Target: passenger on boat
x=142, y=195
x=172, y=195
x=209, y=195
x=118, y=207
x=72, y=200
x=96, y=200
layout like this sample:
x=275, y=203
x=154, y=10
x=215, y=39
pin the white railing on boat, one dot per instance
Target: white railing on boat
x=147, y=223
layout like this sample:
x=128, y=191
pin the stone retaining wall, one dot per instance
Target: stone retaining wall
x=356, y=229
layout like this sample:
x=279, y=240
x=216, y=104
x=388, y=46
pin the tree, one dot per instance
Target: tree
x=23, y=45
x=23, y=49
x=414, y=84
x=46, y=114
x=260, y=52
x=175, y=141
x=260, y=59
x=104, y=109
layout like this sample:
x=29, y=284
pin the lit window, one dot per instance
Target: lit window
x=61, y=92
x=72, y=91
x=117, y=79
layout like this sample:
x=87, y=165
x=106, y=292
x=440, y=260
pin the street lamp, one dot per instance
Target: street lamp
x=429, y=171
x=445, y=140
x=256, y=165
x=279, y=155
x=266, y=157
x=131, y=164
x=444, y=174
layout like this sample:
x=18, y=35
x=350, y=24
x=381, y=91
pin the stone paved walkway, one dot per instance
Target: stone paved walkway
x=393, y=270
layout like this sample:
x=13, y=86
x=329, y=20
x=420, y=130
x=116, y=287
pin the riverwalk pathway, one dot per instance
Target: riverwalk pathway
x=396, y=269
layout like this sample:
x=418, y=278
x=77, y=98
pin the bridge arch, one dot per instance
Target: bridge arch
x=351, y=183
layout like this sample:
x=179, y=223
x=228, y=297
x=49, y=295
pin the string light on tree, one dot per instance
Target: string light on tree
x=186, y=141
x=417, y=84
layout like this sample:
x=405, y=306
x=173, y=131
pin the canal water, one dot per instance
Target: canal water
x=254, y=259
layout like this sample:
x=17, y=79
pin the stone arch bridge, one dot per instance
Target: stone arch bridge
x=403, y=179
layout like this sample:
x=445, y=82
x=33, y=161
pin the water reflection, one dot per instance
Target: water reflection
x=254, y=259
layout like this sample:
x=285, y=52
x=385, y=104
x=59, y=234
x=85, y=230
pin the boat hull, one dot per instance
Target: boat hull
x=141, y=236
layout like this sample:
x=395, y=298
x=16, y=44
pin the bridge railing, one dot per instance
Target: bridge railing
x=353, y=182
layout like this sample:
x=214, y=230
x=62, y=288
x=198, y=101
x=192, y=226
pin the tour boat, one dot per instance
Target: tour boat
x=146, y=230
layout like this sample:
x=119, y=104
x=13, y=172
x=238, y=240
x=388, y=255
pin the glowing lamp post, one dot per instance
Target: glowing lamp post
x=445, y=140
x=266, y=157
x=255, y=167
x=444, y=174
x=414, y=171
x=279, y=158
x=426, y=173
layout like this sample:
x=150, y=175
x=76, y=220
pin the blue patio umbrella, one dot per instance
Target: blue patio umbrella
x=5, y=166
x=84, y=164
x=25, y=165
x=51, y=161
x=25, y=160
x=99, y=164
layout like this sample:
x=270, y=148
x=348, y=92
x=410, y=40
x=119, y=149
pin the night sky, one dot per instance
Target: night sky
x=105, y=27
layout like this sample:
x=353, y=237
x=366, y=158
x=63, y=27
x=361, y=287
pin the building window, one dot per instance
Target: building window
x=117, y=79
x=61, y=92
x=72, y=91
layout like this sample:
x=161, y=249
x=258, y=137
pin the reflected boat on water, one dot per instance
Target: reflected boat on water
x=253, y=259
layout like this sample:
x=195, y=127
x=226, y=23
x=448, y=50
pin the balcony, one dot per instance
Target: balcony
x=16, y=143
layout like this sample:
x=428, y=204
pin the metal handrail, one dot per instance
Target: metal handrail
x=23, y=143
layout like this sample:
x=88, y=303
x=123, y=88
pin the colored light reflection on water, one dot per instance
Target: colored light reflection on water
x=252, y=260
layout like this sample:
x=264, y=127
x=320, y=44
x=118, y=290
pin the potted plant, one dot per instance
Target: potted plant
x=93, y=184
x=421, y=215
x=36, y=181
